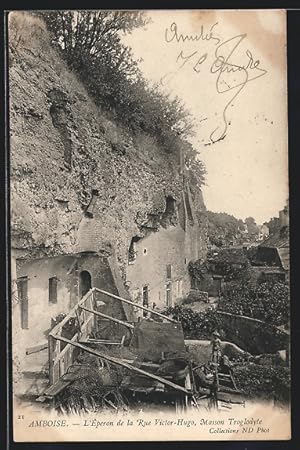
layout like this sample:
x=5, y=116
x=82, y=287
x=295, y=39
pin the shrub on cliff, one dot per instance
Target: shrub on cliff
x=195, y=325
x=91, y=43
x=267, y=301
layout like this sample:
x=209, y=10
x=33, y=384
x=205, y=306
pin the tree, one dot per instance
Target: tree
x=253, y=229
x=192, y=162
x=94, y=33
x=224, y=229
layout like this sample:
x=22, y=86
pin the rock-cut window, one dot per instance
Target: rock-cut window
x=169, y=271
x=53, y=290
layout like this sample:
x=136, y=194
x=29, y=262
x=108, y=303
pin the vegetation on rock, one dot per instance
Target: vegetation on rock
x=88, y=149
x=91, y=44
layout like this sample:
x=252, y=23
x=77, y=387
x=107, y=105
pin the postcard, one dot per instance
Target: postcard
x=149, y=225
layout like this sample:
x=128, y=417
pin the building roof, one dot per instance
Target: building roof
x=278, y=240
x=284, y=255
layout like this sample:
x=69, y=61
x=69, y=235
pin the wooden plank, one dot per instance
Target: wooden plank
x=136, y=363
x=61, y=367
x=119, y=362
x=85, y=327
x=113, y=319
x=93, y=306
x=36, y=348
x=55, y=372
x=233, y=382
x=139, y=385
x=72, y=312
x=231, y=398
x=64, y=350
x=99, y=341
x=229, y=390
x=78, y=320
x=51, y=356
x=225, y=375
x=56, y=388
x=135, y=305
x=252, y=319
x=68, y=358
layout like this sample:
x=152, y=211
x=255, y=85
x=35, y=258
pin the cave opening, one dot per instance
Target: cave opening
x=169, y=216
x=132, y=252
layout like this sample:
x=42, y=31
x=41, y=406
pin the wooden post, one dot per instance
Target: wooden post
x=57, y=353
x=51, y=345
x=93, y=306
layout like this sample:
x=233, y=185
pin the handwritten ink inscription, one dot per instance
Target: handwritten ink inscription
x=230, y=74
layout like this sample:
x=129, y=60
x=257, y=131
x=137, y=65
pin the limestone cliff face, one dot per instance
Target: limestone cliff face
x=70, y=164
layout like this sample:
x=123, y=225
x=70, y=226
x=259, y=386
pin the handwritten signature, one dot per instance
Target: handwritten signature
x=173, y=34
x=230, y=75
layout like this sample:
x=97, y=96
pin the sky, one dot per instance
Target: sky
x=247, y=168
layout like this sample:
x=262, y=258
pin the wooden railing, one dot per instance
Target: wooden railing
x=60, y=358
x=135, y=305
x=85, y=312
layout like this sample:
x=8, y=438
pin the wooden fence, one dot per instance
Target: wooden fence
x=62, y=353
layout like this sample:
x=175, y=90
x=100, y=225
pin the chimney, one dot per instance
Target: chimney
x=284, y=217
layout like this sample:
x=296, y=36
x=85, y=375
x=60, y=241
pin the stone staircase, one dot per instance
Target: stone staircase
x=35, y=376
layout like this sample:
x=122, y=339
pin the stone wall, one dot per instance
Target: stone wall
x=253, y=335
x=154, y=253
x=66, y=270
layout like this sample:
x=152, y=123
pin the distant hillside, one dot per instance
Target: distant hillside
x=224, y=229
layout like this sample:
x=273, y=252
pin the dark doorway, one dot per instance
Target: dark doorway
x=145, y=296
x=22, y=284
x=169, y=293
x=215, y=287
x=85, y=282
x=145, y=299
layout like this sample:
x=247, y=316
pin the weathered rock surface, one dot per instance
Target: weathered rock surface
x=65, y=155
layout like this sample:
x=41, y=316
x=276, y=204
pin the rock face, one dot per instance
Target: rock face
x=70, y=164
